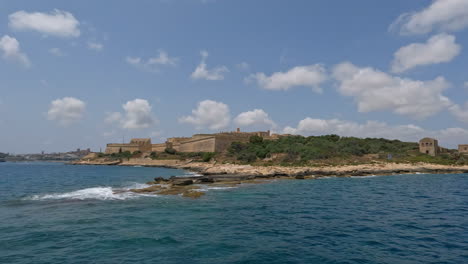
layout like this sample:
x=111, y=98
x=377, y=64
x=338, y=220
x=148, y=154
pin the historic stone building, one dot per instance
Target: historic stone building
x=136, y=144
x=218, y=142
x=429, y=146
x=463, y=149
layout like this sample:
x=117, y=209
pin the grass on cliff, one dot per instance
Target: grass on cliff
x=332, y=150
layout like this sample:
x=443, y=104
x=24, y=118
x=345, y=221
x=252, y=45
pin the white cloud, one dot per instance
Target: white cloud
x=310, y=76
x=10, y=48
x=254, y=117
x=56, y=52
x=209, y=114
x=438, y=49
x=374, y=90
x=137, y=115
x=375, y=129
x=56, y=23
x=444, y=15
x=66, y=111
x=202, y=72
x=243, y=66
x=153, y=64
x=461, y=113
x=95, y=46
x=113, y=117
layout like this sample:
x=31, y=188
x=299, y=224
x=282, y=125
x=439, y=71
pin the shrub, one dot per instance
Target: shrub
x=207, y=156
x=170, y=151
x=256, y=139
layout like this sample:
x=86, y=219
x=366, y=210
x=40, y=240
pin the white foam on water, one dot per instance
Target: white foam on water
x=190, y=173
x=206, y=188
x=361, y=177
x=95, y=193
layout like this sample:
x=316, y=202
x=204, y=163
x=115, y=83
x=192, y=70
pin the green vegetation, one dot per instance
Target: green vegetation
x=154, y=155
x=334, y=150
x=3, y=155
x=207, y=156
x=299, y=149
x=170, y=151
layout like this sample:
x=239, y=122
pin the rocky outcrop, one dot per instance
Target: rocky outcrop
x=233, y=174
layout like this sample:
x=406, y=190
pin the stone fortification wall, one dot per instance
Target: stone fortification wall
x=198, y=144
x=224, y=141
x=117, y=148
x=158, y=147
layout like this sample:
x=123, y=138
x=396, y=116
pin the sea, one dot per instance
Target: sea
x=58, y=213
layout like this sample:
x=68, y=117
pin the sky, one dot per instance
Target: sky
x=79, y=74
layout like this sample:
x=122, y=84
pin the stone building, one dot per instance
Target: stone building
x=136, y=144
x=463, y=149
x=429, y=146
x=218, y=142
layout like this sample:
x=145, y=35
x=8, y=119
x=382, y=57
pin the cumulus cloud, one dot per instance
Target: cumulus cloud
x=444, y=15
x=209, y=114
x=438, y=49
x=309, y=76
x=449, y=137
x=56, y=23
x=137, y=115
x=202, y=71
x=153, y=64
x=254, y=117
x=66, y=111
x=374, y=90
x=95, y=46
x=10, y=48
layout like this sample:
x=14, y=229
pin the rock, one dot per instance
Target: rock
x=193, y=194
x=299, y=177
x=150, y=189
x=182, y=182
x=205, y=180
x=160, y=180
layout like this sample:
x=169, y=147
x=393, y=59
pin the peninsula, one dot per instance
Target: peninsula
x=233, y=158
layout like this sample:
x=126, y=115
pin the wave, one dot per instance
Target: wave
x=367, y=176
x=207, y=188
x=190, y=173
x=95, y=193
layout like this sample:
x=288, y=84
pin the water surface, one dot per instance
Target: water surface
x=55, y=213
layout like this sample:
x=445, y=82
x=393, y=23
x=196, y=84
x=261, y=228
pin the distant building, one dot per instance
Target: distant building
x=463, y=149
x=136, y=144
x=218, y=142
x=429, y=146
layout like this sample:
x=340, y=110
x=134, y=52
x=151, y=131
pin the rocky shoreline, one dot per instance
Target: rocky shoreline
x=230, y=175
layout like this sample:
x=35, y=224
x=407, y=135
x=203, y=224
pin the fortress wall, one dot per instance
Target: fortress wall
x=117, y=148
x=158, y=147
x=223, y=142
x=145, y=148
x=201, y=144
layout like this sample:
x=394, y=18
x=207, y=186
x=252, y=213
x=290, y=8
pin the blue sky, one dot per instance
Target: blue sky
x=86, y=73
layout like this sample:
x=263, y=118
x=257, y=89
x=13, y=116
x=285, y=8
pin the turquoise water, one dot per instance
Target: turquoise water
x=54, y=213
